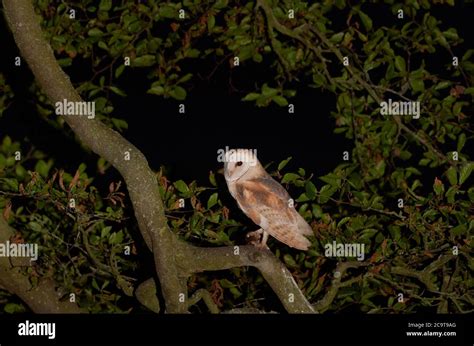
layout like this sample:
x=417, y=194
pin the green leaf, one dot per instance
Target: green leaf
x=168, y=12
x=465, y=172
x=105, y=5
x=310, y=190
x=211, y=22
x=283, y=163
x=156, y=90
x=469, y=91
x=424, y=162
x=452, y=175
x=461, y=142
x=451, y=33
x=280, y=100
x=219, y=4
x=11, y=183
x=367, y=234
x=212, y=179
x=7, y=142
x=185, y=78
x=105, y=231
x=226, y=283
x=178, y=93
x=457, y=108
x=317, y=211
x=192, y=53
x=103, y=45
x=181, y=187
x=144, y=61
x=95, y=285
x=417, y=85
x=289, y=261
x=400, y=63
x=395, y=232
x=119, y=71
x=251, y=97
x=212, y=200
x=289, y=177
x=365, y=20
x=331, y=179
x=119, y=123
x=20, y=171
x=10, y=161
x=235, y=292
x=336, y=38
x=12, y=308
x=458, y=230
x=470, y=193
x=302, y=198
x=326, y=192
x=116, y=238
x=343, y=221
x=267, y=91
x=451, y=194
x=43, y=168
x=117, y=91
x=438, y=186
x=442, y=85
x=440, y=37
x=95, y=32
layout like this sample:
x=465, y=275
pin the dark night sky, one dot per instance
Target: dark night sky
x=215, y=119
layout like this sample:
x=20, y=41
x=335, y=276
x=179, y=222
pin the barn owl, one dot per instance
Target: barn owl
x=264, y=200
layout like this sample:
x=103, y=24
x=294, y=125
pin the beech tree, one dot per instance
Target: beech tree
x=416, y=232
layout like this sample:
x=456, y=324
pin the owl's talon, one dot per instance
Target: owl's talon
x=258, y=239
x=254, y=237
x=255, y=234
x=261, y=246
x=263, y=243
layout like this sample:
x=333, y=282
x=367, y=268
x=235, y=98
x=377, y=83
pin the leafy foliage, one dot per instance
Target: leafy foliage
x=406, y=192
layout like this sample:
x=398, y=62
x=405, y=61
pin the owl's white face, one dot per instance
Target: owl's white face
x=237, y=163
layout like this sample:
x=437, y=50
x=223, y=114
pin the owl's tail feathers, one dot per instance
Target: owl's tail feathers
x=300, y=242
x=303, y=230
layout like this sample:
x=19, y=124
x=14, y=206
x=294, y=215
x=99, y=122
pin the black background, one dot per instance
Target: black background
x=259, y=329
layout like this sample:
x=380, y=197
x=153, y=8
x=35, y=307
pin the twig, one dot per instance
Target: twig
x=323, y=304
x=206, y=297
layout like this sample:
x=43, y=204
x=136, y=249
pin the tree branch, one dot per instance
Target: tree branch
x=146, y=294
x=194, y=260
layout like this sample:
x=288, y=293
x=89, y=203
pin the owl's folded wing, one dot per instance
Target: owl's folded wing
x=268, y=204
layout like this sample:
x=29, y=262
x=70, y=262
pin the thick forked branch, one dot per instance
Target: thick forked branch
x=140, y=180
x=191, y=259
x=175, y=260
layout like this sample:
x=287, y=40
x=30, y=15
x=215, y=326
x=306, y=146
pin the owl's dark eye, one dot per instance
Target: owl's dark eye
x=239, y=163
